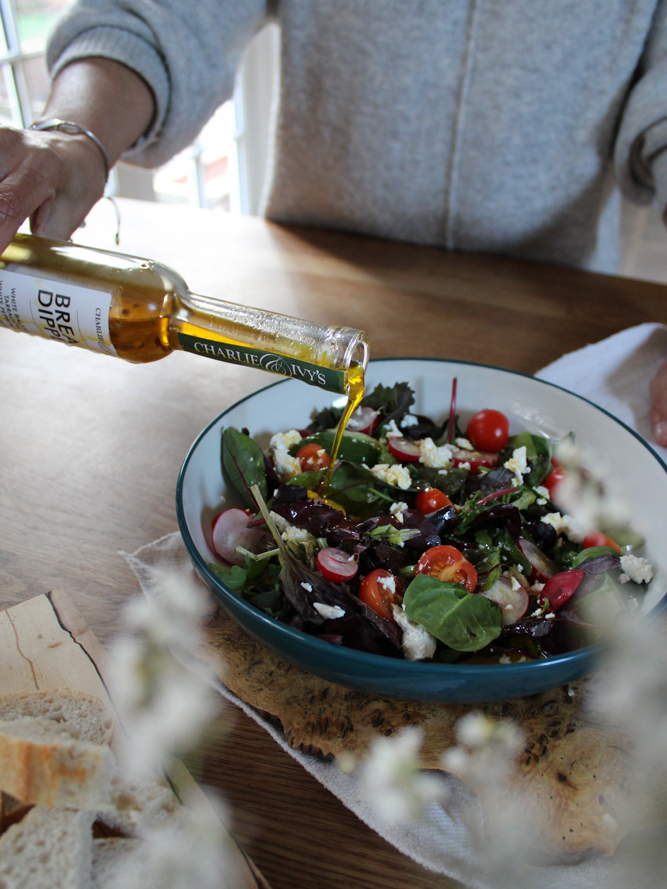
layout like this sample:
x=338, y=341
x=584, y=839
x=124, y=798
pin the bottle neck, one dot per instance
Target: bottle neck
x=291, y=347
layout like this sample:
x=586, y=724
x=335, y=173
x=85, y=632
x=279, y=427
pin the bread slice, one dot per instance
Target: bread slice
x=85, y=717
x=137, y=805
x=47, y=849
x=41, y=763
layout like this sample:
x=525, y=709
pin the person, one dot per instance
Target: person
x=498, y=126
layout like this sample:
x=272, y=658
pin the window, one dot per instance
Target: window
x=25, y=83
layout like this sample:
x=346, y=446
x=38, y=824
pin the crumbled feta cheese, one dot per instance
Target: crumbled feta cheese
x=409, y=420
x=397, y=508
x=465, y=465
x=417, y=642
x=435, y=457
x=463, y=443
x=564, y=524
x=515, y=583
x=505, y=659
x=328, y=612
x=542, y=491
x=537, y=613
x=537, y=587
x=307, y=587
x=550, y=615
x=283, y=441
x=286, y=466
x=396, y=475
x=636, y=569
x=391, y=430
x=541, y=501
x=517, y=464
x=280, y=522
x=389, y=583
x=297, y=535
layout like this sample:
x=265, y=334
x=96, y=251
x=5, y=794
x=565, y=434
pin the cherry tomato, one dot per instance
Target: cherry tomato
x=559, y=588
x=431, y=500
x=312, y=457
x=597, y=538
x=379, y=590
x=336, y=565
x=488, y=431
x=403, y=449
x=449, y=565
x=554, y=478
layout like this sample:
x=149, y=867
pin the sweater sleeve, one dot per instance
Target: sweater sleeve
x=640, y=154
x=187, y=52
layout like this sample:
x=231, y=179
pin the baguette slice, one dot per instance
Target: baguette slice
x=138, y=805
x=47, y=850
x=86, y=718
x=42, y=764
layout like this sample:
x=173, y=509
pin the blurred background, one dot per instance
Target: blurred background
x=224, y=170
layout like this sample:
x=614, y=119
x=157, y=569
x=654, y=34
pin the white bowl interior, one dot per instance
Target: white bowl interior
x=632, y=468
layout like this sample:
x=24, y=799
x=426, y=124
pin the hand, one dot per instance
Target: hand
x=50, y=177
x=55, y=178
x=658, y=413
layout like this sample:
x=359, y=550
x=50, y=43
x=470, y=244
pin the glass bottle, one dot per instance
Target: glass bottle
x=141, y=311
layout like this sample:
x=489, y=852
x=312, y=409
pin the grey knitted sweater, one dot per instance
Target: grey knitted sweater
x=485, y=125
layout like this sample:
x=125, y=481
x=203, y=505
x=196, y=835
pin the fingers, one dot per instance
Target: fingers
x=658, y=412
x=51, y=178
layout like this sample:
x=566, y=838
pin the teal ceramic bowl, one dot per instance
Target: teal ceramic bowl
x=529, y=404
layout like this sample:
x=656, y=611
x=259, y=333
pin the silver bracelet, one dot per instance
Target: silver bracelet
x=74, y=129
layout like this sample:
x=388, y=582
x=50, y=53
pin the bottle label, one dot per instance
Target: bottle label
x=324, y=377
x=57, y=310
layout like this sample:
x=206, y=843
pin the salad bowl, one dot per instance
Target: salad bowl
x=532, y=405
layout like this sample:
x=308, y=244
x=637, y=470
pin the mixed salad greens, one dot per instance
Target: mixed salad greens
x=430, y=543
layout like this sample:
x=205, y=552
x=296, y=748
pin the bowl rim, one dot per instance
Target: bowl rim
x=476, y=672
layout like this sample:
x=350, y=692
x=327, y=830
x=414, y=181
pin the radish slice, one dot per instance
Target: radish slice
x=364, y=419
x=230, y=529
x=512, y=598
x=336, y=565
x=404, y=450
x=474, y=458
x=543, y=567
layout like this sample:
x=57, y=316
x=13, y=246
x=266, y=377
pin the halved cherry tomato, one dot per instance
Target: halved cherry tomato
x=336, y=565
x=431, y=500
x=312, y=457
x=379, y=590
x=474, y=458
x=559, y=588
x=597, y=538
x=554, y=478
x=488, y=430
x=403, y=449
x=448, y=564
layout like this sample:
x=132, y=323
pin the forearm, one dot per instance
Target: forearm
x=106, y=98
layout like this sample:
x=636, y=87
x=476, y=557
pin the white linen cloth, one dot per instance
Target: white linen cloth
x=614, y=374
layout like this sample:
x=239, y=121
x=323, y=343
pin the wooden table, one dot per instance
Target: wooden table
x=91, y=448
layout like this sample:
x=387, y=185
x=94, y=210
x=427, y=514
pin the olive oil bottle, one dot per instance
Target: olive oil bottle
x=141, y=310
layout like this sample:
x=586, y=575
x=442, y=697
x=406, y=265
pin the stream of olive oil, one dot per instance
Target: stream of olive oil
x=354, y=388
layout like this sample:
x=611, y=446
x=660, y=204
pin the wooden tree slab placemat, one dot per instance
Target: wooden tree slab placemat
x=572, y=766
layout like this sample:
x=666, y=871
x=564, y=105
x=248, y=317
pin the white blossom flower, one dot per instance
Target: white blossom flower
x=392, y=782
